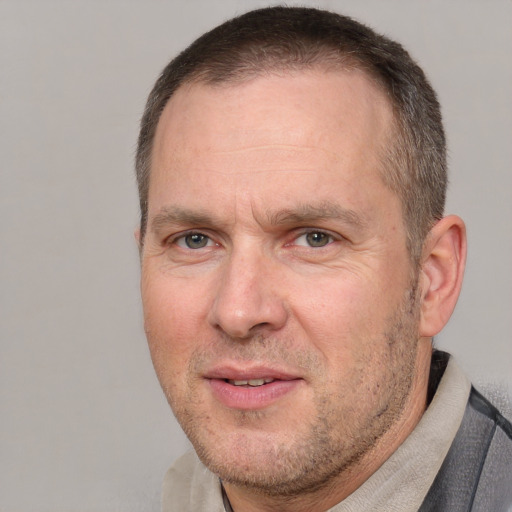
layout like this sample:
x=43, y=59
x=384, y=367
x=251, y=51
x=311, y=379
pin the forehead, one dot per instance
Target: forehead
x=314, y=128
x=261, y=107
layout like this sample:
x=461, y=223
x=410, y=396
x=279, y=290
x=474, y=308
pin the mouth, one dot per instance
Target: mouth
x=250, y=388
x=251, y=383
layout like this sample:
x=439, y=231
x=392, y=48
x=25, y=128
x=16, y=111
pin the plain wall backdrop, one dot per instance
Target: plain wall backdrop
x=83, y=424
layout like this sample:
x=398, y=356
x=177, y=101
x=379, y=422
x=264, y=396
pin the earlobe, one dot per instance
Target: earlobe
x=442, y=270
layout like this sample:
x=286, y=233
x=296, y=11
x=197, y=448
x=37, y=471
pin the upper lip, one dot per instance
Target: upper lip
x=249, y=372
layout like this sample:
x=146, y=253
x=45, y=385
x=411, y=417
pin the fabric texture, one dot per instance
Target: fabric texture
x=476, y=475
x=458, y=458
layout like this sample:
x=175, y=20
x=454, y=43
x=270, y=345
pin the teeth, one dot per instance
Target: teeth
x=251, y=382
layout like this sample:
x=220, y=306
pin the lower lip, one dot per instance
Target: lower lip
x=251, y=398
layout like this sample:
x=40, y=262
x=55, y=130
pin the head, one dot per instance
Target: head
x=281, y=39
x=290, y=290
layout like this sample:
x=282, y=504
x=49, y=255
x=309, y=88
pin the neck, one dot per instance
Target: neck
x=344, y=484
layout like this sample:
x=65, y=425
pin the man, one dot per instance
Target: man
x=296, y=265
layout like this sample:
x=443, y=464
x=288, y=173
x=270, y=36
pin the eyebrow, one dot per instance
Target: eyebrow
x=302, y=214
x=307, y=213
x=173, y=215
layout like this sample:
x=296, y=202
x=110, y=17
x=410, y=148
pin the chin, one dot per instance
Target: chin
x=282, y=463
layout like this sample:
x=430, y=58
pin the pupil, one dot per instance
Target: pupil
x=316, y=239
x=196, y=241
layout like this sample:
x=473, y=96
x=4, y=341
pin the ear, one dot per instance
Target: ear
x=442, y=270
x=138, y=238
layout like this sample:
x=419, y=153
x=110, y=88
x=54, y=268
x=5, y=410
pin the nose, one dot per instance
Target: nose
x=249, y=298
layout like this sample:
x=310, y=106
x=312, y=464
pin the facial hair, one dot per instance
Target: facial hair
x=325, y=444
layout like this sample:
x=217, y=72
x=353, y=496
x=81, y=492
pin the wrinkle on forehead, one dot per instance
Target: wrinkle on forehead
x=272, y=109
x=268, y=158
x=273, y=140
x=270, y=147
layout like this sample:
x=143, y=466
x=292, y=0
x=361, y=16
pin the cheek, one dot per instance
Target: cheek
x=334, y=307
x=172, y=321
x=345, y=318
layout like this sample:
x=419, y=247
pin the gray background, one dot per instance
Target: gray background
x=83, y=423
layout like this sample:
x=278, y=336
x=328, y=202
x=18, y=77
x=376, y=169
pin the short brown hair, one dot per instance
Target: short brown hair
x=292, y=38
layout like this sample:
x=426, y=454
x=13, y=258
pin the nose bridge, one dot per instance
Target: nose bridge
x=247, y=298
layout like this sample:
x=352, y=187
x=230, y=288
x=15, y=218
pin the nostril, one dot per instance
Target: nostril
x=259, y=326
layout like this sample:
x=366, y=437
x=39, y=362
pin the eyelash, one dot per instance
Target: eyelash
x=330, y=238
x=183, y=237
x=209, y=240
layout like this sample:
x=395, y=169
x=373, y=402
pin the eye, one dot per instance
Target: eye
x=194, y=241
x=314, y=239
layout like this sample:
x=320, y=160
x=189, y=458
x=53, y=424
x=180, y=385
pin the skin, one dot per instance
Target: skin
x=274, y=246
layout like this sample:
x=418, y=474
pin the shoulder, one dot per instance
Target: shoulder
x=488, y=413
x=493, y=487
x=476, y=475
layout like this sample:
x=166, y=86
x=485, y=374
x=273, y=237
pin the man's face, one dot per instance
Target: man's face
x=277, y=288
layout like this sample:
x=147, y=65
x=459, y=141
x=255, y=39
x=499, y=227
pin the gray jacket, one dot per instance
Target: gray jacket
x=476, y=475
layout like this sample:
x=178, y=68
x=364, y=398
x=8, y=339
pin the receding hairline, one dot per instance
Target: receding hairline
x=383, y=150
x=282, y=39
x=324, y=57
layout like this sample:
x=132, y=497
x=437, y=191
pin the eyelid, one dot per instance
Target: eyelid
x=173, y=239
x=306, y=231
x=298, y=233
